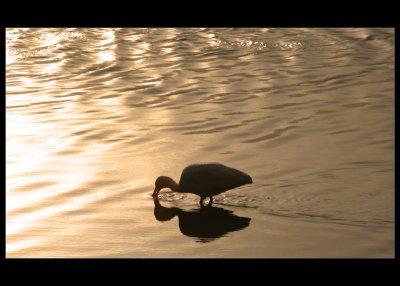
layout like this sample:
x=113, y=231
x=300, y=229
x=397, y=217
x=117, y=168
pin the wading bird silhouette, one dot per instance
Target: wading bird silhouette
x=204, y=180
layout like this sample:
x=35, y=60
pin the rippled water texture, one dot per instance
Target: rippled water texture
x=94, y=116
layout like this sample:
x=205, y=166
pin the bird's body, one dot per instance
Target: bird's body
x=205, y=180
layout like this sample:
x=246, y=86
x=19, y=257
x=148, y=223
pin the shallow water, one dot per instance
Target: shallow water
x=94, y=116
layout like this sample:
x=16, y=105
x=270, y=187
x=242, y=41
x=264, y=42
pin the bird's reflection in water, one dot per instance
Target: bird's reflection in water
x=206, y=223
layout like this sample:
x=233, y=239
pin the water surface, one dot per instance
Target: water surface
x=93, y=116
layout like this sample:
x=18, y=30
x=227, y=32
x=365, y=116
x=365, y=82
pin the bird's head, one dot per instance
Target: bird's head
x=164, y=182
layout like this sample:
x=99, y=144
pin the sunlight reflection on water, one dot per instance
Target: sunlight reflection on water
x=94, y=116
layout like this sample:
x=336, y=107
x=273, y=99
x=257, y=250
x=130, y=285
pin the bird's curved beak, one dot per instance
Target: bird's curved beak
x=155, y=193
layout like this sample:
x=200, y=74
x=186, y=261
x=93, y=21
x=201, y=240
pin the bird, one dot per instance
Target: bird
x=204, y=180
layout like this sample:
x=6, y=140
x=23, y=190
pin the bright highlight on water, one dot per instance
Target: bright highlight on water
x=95, y=115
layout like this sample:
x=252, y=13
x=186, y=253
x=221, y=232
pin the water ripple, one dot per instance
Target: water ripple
x=94, y=115
x=276, y=133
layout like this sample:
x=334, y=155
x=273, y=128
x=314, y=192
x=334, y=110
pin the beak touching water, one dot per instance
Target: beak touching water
x=155, y=193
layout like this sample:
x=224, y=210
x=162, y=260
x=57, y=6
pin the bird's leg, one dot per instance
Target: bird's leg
x=201, y=201
x=209, y=202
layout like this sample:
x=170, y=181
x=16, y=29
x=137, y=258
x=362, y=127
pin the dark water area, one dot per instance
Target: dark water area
x=94, y=116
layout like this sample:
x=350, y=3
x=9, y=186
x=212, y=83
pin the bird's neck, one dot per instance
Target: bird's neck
x=173, y=186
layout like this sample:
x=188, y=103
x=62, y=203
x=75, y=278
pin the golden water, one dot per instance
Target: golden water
x=93, y=116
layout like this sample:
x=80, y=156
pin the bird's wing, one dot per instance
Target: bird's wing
x=214, y=178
